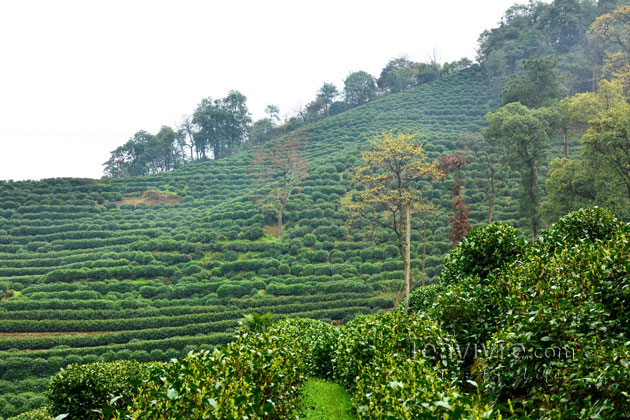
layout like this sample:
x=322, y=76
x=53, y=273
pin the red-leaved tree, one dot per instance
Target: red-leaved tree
x=452, y=164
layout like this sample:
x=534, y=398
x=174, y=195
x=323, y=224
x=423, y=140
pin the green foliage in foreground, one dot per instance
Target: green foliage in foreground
x=80, y=391
x=39, y=414
x=564, y=342
x=483, y=250
x=257, y=376
x=549, y=330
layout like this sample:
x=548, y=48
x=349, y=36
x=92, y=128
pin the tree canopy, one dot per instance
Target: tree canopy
x=221, y=125
x=392, y=165
x=145, y=154
x=538, y=86
x=359, y=88
x=522, y=134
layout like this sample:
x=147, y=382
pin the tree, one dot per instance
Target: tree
x=186, y=137
x=487, y=154
x=600, y=175
x=611, y=33
x=574, y=113
x=222, y=125
x=327, y=94
x=522, y=134
x=587, y=106
x=165, y=151
x=237, y=120
x=570, y=186
x=540, y=84
x=455, y=66
x=313, y=111
x=397, y=75
x=273, y=112
x=207, y=119
x=425, y=73
x=392, y=165
x=282, y=166
x=359, y=88
x=607, y=144
x=261, y=131
x=145, y=154
x=452, y=164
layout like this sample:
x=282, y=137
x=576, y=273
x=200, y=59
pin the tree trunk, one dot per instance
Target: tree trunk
x=280, y=211
x=565, y=141
x=534, y=204
x=490, y=206
x=492, y=193
x=407, y=256
x=424, y=250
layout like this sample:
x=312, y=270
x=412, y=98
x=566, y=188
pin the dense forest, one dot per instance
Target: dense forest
x=141, y=294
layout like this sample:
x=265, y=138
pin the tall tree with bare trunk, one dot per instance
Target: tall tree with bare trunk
x=391, y=166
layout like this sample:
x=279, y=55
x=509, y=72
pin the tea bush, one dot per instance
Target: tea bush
x=482, y=251
x=564, y=344
x=39, y=414
x=422, y=298
x=582, y=225
x=366, y=339
x=81, y=391
x=256, y=376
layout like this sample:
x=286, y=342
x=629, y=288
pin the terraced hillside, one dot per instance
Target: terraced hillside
x=149, y=268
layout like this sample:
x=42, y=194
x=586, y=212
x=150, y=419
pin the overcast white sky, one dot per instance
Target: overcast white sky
x=78, y=78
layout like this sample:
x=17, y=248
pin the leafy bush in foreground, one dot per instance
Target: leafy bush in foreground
x=564, y=344
x=402, y=366
x=582, y=225
x=400, y=387
x=423, y=297
x=366, y=340
x=82, y=390
x=257, y=376
x=39, y=414
x=483, y=250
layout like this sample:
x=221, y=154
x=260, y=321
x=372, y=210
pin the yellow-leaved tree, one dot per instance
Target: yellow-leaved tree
x=392, y=165
x=611, y=33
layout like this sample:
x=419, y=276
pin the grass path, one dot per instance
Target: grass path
x=324, y=400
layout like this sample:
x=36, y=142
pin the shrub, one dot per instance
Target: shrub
x=466, y=309
x=422, y=298
x=482, y=251
x=400, y=387
x=309, y=239
x=39, y=414
x=581, y=225
x=390, y=251
x=79, y=390
x=255, y=232
x=366, y=340
x=256, y=376
x=564, y=347
x=284, y=269
x=232, y=290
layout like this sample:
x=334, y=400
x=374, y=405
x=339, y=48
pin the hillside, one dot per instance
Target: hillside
x=149, y=268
